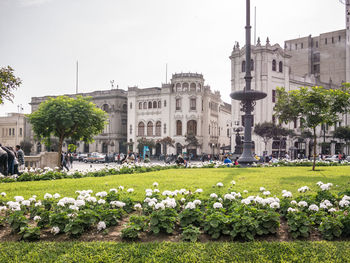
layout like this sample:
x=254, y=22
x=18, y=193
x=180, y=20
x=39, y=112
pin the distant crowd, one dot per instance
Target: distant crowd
x=11, y=160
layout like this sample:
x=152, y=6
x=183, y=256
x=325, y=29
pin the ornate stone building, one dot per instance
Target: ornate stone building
x=113, y=138
x=14, y=128
x=186, y=106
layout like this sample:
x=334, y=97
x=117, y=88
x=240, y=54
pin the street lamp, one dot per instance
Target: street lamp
x=248, y=98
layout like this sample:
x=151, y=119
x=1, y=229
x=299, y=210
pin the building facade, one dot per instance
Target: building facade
x=14, y=129
x=184, y=107
x=113, y=138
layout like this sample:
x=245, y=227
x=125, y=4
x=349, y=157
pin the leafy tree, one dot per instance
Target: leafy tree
x=8, y=83
x=67, y=118
x=145, y=142
x=265, y=131
x=313, y=106
x=342, y=133
x=167, y=141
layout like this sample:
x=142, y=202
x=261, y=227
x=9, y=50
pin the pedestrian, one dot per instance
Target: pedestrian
x=71, y=159
x=20, y=157
x=236, y=161
x=64, y=160
x=10, y=159
x=3, y=162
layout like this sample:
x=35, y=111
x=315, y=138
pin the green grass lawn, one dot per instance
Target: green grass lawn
x=273, y=179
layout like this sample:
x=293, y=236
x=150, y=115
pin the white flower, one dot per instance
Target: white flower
x=117, y=204
x=159, y=206
x=37, y=218
x=183, y=200
x=275, y=205
x=91, y=199
x=37, y=204
x=217, y=205
x=55, y=230
x=19, y=198
x=262, y=189
x=287, y=194
x=246, y=201
x=148, y=193
x=113, y=190
x=219, y=184
x=14, y=206
x=3, y=194
x=199, y=190
x=245, y=191
x=156, y=191
x=290, y=210
x=155, y=184
x=326, y=187
x=190, y=205
x=47, y=196
x=319, y=183
x=3, y=208
x=313, y=207
x=213, y=195
x=25, y=202
x=137, y=206
x=167, y=193
x=229, y=197
x=130, y=190
x=101, y=225
x=331, y=210
x=31, y=199
x=233, y=182
x=152, y=203
x=101, y=201
x=121, y=187
x=293, y=202
x=303, y=189
x=325, y=204
x=56, y=196
x=197, y=202
x=101, y=194
x=302, y=203
x=343, y=203
x=266, y=193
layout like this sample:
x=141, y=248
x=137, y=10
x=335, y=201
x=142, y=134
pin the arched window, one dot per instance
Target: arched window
x=273, y=65
x=140, y=105
x=192, y=127
x=154, y=104
x=159, y=104
x=193, y=87
x=145, y=105
x=141, y=129
x=164, y=103
x=158, y=128
x=150, y=104
x=105, y=107
x=199, y=87
x=178, y=127
x=185, y=86
x=149, y=128
x=280, y=67
x=243, y=66
x=125, y=107
x=178, y=87
x=252, y=65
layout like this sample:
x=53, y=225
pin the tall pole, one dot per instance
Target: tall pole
x=76, y=79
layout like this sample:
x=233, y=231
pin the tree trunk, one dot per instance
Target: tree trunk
x=314, y=162
x=60, y=143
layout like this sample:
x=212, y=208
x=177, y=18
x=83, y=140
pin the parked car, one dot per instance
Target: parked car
x=95, y=157
x=82, y=156
x=332, y=158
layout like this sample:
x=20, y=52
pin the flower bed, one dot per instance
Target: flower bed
x=223, y=214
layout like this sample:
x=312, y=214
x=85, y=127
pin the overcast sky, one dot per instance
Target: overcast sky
x=130, y=41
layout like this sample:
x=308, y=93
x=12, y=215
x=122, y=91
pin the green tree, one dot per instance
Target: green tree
x=67, y=118
x=265, y=131
x=167, y=141
x=8, y=83
x=145, y=142
x=313, y=106
x=342, y=133
x=26, y=146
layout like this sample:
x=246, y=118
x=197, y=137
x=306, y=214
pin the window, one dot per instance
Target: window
x=178, y=87
x=20, y=131
x=317, y=44
x=145, y=105
x=192, y=127
x=164, y=127
x=316, y=68
x=273, y=119
x=199, y=87
x=252, y=65
x=243, y=66
x=149, y=128
x=325, y=41
x=202, y=105
x=141, y=129
x=295, y=121
x=124, y=121
x=140, y=105
x=332, y=40
x=154, y=104
x=296, y=46
x=273, y=65
x=125, y=107
x=10, y=132
x=193, y=104
x=150, y=104
x=178, y=127
x=273, y=96
x=158, y=128
x=130, y=105
x=228, y=132
x=280, y=67
x=193, y=87
x=178, y=104
x=302, y=45
x=164, y=103
x=339, y=38
x=130, y=129
x=185, y=86
x=159, y=104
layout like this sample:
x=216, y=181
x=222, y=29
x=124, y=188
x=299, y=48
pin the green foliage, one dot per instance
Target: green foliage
x=190, y=233
x=136, y=225
x=17, y=220
x=345, y=220
x=30, y=233
x=59, y=220
x=82, y=222
x=163, y=220
x=72, y=147
x=325, y=195
x=8, y=83
x=330, y=227
x=216, y=224
x=342, y=133
x=111, y=217
x=299, y=224
x=191, y=217
x=63, y=117
x=145, y=142
x=26, y=146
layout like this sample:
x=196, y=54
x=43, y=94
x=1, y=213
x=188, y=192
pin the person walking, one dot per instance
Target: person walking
x=64, y=160
x=10, y=159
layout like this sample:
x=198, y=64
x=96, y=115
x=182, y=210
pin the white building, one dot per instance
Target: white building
x=186, y=106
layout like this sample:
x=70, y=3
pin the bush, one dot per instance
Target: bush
x=190, y=233
x=330, y=227
x=299, y=224
x=163, y=220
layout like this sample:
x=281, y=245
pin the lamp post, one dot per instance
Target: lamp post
x=248, y=98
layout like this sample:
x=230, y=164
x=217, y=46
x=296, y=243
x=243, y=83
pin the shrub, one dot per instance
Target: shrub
x=163, y=220
x=330, y=227
x=30, y=233
x=216, y=224
x=299, y=224
x=190, y=233
x=191, y=217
